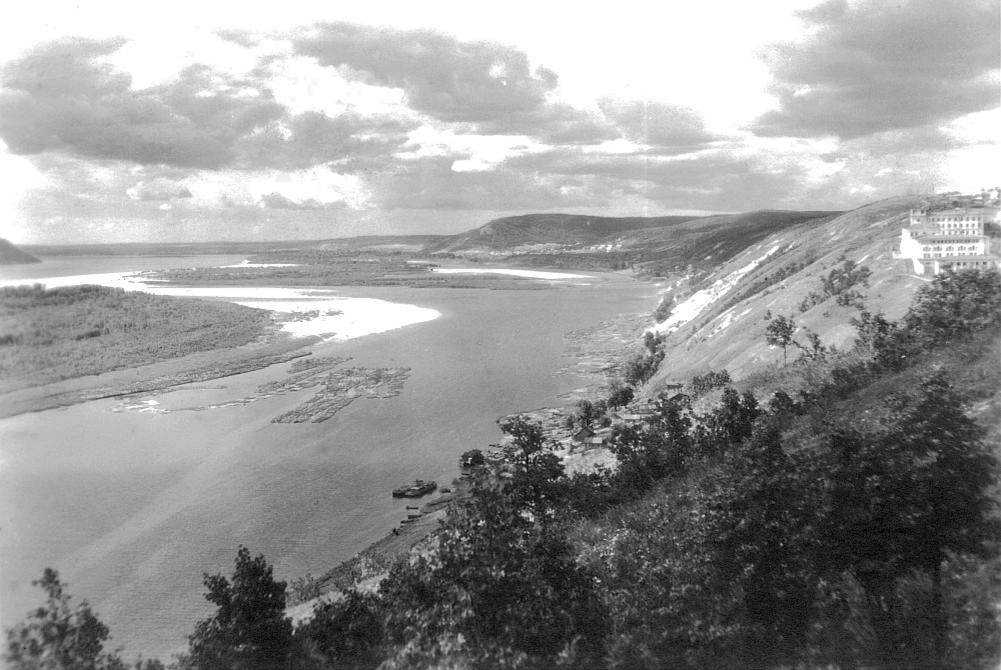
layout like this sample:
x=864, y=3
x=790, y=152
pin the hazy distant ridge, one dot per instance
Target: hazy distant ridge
x=514, y=231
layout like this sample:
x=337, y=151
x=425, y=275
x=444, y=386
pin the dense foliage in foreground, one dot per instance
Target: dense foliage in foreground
x=52, y=334
x=854, y=525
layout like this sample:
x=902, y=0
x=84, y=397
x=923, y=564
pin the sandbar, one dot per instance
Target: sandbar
x=528, y=274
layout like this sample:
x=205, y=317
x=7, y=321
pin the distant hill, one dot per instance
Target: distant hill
x=512, y=232
x=648, y=245
x=11, y=255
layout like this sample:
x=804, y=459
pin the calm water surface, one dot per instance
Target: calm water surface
x=132, y=508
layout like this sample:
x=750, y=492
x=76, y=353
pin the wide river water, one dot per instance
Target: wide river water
x=132, y=508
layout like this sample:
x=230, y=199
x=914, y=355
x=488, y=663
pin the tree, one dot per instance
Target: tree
x=586, y=413
x=701, y=384
x=498, y=591
x=731, y=422
x=348, y=633
x=664, y=309
x=535, y=483
x=619, y=394
x=249, y=631
x=59, y=637
x=779, y=333
x=473, y=458
x=902, y=496
x=840, y=282
x=955, y=305
x=652, y=453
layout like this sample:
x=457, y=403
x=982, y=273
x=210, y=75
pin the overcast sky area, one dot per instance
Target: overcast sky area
x=201, y=121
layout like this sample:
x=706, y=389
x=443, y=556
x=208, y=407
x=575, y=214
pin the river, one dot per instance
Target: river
x=132, y=508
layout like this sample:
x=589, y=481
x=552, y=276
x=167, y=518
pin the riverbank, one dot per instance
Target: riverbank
x=292, y=319
x=132, y=506
x=592, y=354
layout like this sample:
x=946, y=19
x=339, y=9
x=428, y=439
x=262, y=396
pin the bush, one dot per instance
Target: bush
x=664, y=309
x=702, y=384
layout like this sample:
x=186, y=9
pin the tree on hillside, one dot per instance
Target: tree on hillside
x=705, y=383
x=779, y=333
x=955, y=304
x=534, y=484
x=728, y=424
x=841, y=282
x=901, y=498
x=249, y=630
x=664, y=309
x=347, y=634
x=57, y=636
x=619, y=394
x=587, y=413
x=498, y=592
x=647, y=455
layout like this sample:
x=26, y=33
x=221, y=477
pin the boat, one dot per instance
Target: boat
x=445, y=489
x=415, y=490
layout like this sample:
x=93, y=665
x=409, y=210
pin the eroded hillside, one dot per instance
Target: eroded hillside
x=720, y=321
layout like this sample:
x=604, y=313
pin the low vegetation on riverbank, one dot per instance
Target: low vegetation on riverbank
x=852, y=521
x=47, y=335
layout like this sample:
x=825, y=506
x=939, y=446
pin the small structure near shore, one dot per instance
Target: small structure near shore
x=415, y=490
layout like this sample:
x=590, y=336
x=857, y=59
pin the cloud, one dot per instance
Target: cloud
x=279, y=201
x=312, y=138
x=448, y=79
x=432, y=183
x=871, y=67
x=58, y=97
x=656, y=123
x=158, y=189
x=554, y=123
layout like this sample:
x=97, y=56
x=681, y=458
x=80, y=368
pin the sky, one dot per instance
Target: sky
x=205, y=121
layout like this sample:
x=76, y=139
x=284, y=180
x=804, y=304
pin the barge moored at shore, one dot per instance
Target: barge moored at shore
x=415, y=490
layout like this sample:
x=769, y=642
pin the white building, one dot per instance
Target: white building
x=958, y=239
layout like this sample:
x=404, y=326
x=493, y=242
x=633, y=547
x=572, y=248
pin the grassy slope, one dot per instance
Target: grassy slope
x=49, y=335
x=730, y=333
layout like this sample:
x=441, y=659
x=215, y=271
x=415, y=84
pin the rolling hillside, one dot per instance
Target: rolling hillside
x=648, y=245
x=719, y=322
x=514, y=233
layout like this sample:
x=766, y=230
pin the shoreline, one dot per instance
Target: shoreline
x=591, y=352
x=203, y=366
x=300, y=318
x=386, y=545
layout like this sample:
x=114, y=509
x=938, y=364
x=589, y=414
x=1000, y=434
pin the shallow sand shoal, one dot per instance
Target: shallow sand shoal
x=528, y=274
x=345, y=318
x=247, y=264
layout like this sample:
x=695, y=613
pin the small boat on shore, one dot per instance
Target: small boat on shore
x=445, y=489
x=415, y=490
